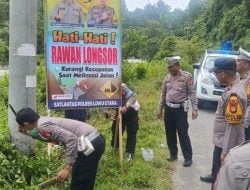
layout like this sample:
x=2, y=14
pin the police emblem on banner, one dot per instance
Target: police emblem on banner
x=248, y=91
x=233, y=110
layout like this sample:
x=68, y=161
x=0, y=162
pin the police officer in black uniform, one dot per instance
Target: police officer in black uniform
x=76, y=114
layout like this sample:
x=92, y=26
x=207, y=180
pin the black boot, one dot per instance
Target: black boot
x=172, y=158
x=209, y=178
x=187, y=163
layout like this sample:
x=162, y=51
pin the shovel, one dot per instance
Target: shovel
x=47, y=183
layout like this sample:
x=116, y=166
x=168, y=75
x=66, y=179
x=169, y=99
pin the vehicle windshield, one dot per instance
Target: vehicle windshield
x=209, y=64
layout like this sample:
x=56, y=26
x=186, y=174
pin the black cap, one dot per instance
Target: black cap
x=243, y=54
x=26, y=115
x=172, y=60
x=224, y=64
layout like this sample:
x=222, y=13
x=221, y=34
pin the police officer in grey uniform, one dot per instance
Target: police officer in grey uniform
x=229, y=117
x=234, y=173
x=84, y=145
x=176, y=89
x=130, y=121
x=67, y=11
x=101, y=15
x=243, y=68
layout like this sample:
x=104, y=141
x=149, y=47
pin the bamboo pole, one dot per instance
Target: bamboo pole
x=120, y=139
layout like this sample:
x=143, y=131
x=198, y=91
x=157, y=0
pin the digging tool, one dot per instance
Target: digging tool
x=48, y=183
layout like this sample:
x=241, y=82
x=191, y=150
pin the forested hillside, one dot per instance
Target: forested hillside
x=157, y=31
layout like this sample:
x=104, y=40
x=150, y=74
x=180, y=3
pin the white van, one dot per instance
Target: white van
x=204, y=81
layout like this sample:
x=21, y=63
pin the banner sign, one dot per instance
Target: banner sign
x=83, y=53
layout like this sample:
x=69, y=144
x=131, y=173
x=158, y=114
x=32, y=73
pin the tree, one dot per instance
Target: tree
x=134, y=44
x=4, y=32
x=4, y=53
x=40, y=27
x=167, y=48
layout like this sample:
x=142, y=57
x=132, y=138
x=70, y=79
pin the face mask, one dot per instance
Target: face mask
x=34, y=133
x=40, y=135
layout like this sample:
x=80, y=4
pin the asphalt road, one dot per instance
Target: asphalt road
x=200, y=132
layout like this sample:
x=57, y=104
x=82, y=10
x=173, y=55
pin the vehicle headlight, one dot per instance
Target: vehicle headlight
x=207, y=81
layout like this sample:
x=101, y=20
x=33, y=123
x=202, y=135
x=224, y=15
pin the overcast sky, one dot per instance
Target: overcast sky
x=133, y=4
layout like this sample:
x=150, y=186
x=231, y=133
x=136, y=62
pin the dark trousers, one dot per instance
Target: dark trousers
x=76, y=114
x=85, y=168
x=176, y=122
x=131, y=124
x=247, y=133
x=216, y=161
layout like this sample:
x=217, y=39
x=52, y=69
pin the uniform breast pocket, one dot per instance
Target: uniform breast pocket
x=96, y=15
x=168, y=85
x=109, y=13
x=181, y=86
x=76, y=12
x=62, y=11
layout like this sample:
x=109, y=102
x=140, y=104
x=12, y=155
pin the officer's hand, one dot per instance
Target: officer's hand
x=222, y=158
x=159, y=115
x=109, y=115
x=124, y=109
x=85, y=85
x=194, y=114
x=104, y=16
x=64, y=173
x=59, y=16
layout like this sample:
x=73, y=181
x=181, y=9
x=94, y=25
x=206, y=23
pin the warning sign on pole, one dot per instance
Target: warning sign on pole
x=83, y=53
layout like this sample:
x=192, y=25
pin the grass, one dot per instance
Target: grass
x=136, y=175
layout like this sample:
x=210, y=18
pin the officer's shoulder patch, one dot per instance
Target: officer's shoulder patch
x=45, y=135
x=168, y=77
x=233, y=110
x=188, y=77
x=248, y=91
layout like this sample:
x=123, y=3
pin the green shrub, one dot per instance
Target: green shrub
x=4, y=85
x=140, y=71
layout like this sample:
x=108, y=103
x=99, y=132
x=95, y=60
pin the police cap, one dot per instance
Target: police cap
x=243, y=54
x=224, y=64
x=171, y=61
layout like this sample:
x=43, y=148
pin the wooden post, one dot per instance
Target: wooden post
x=120, y=139
x=116, y=130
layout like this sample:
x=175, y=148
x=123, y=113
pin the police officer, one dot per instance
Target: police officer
x=67, y=11
x=234, y=173
x=101, y=15
x=243, y=68
x=76, y=114
x=229, y=118
x=84, y=145
x=176, y=89
x=129, y=110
